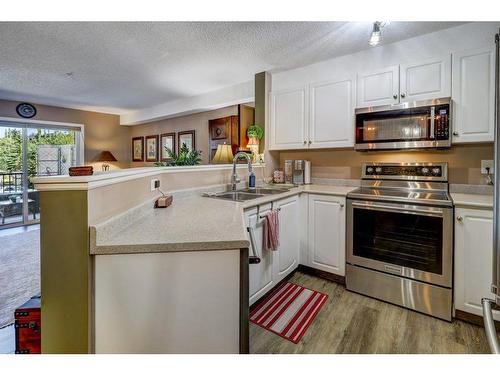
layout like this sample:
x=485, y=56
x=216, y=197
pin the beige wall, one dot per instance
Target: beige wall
x=102, y=131
x=197, y=122
x=464, y=161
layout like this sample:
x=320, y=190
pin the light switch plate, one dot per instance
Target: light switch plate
x=155, y=184
x=485, y=164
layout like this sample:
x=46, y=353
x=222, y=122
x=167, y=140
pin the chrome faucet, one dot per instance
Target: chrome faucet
x=234, y=177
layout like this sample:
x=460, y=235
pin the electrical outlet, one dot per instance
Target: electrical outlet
x=486, y=164
x=155, y=184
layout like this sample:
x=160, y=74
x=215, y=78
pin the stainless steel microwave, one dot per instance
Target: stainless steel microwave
x=412, y=125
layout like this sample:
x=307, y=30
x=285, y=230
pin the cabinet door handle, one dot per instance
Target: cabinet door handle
x=455, y=134
x=310, y=142
x=403, y=94
x=305, y=142
x=342, y=205
x=255, y=258
x=395, y=96
x=460, y=219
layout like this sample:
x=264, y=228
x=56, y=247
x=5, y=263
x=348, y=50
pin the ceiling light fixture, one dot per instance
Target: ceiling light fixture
x=377, y=32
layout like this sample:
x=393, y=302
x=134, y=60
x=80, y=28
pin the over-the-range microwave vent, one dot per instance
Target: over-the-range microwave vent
x=407, y=126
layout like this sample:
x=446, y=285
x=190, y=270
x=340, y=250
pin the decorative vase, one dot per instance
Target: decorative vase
x=253, y=145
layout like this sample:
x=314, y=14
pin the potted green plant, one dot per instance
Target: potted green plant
x=255, y=134
x=185, y=157
x=255, y=131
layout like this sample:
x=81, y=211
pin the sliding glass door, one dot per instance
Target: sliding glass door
x=11, y=175
x=28, y=150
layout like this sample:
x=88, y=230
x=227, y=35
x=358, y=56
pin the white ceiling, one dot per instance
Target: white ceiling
x=123, y=66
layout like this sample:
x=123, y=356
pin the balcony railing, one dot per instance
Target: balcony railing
x=12, y=199
x=11, y=182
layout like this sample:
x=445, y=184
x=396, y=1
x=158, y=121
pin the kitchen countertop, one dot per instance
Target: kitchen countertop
x=192, y=223
x=472, y=200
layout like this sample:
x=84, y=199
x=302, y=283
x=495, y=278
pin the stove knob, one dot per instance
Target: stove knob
x=378, y=170
x=436, y=171
x=369, y=170
x=425, y=170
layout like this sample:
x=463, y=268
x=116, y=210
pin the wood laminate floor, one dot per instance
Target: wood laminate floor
x=352, y=323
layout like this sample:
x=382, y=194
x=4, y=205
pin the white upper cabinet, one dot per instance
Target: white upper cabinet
x=473, y=259
x=473, y=95
x=430, y=79
x=379, y=87
x=331, y=114
x=286, y=259
x=326, y=238
x=288, y=122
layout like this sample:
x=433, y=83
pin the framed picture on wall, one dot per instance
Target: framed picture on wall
x=152, y=148
x=167, y=140
x=138, y=149
x=187, y=138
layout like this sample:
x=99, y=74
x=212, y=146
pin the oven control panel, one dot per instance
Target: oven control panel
x=405, y=171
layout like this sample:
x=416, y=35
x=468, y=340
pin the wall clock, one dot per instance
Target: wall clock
x=26, y=110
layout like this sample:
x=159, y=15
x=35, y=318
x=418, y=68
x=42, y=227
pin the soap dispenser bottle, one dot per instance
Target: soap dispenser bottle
x=251, y=180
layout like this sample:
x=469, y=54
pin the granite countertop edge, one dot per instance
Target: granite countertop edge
x=169, y=247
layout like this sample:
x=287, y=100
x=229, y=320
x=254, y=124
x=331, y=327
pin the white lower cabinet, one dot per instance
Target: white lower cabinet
x=326, y=234
x=473, y=259
x=274, y=265
x=287, y=256
x=261, y=274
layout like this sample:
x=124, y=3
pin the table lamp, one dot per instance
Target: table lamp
x=104, y=157
x=223, y=155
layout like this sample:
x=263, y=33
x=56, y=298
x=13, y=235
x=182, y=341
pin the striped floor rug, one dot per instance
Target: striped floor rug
x=289, y=311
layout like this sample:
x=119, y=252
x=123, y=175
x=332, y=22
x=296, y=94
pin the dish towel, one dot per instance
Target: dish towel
x=272, y=230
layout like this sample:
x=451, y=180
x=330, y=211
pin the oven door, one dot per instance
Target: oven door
x=406, y=240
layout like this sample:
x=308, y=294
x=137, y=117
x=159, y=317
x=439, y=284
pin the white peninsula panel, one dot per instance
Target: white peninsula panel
x=172, y=302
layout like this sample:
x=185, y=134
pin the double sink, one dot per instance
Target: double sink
x=247, y=194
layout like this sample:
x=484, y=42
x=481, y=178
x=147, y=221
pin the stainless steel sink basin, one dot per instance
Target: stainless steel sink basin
x=264, y=191
x=245, y=194
x=236, y=196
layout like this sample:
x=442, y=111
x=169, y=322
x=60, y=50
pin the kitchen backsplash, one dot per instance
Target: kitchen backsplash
x=464, y=161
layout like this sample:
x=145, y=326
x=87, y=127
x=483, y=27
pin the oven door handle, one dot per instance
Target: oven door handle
x=437, y=212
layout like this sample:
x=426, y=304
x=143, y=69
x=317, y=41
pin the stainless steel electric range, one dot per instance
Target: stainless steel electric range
x=400, y=236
